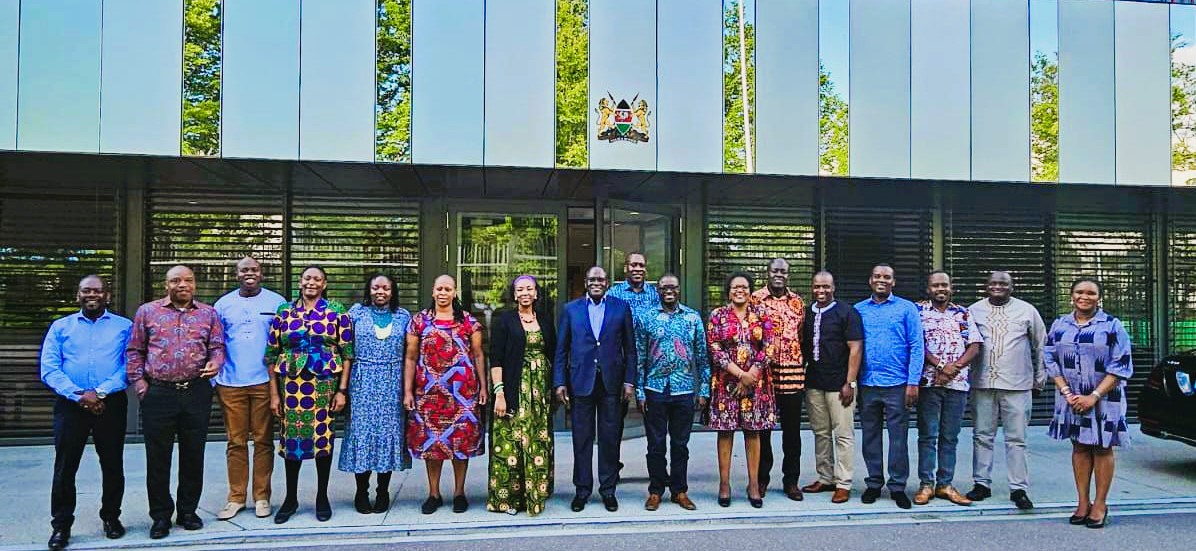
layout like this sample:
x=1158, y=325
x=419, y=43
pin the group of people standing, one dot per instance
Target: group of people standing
x=419, y=386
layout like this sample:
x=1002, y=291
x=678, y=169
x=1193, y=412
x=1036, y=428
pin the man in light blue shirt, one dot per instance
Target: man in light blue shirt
x=243, y=388
x=83, y=361
x=893, y=356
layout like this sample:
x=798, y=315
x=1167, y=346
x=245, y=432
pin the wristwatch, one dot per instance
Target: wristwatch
x=851, y=384
x=101, y=395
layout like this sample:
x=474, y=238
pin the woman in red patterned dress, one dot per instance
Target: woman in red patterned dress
x=741, y=394
x=445, y=391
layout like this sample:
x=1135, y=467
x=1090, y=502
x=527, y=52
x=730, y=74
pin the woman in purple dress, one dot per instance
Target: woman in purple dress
x=1088, y=355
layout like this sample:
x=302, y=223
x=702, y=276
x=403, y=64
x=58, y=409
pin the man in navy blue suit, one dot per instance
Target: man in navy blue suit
x=594, y=369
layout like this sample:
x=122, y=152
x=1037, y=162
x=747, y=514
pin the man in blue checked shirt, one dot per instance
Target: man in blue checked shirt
x=674, y=368
x=893, y=357
x=83, y=361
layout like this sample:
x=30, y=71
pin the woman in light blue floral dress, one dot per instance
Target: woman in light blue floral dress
x=374, y=439
x=1088, y=354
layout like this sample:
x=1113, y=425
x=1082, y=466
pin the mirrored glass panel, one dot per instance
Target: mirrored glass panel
x=392, y=110
x=787, y=87
x=1183, y=95
x=940, y=90
x=880, y=88
x=492, y=249
x=336, y=100
x=1044, y=90
x=689, y=84
x=449, y=63
x=261, y=79
x=9, y=25
x=201, y=77
x=520, y=121
x=648, y=233
x=623, y=84
x=739, y=85
x=1000, y=90
x=59, y=88
x=1087, y=122
x=572, y=83
x=140, y=101
x=1143, y=88
x=834, y=91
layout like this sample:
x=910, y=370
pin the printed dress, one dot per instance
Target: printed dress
x=308, y=349
x=744, y=343
x=374, y=437
x=521, y=451
x=446, y=421
x=1083, y=355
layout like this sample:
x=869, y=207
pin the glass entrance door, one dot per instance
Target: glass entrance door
x=653, y=230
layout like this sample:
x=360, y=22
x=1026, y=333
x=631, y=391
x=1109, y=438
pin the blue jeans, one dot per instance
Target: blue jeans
x=940, y=414
x=881, y=408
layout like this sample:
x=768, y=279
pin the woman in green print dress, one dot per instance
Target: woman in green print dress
x=522, y=341
x=309, y=349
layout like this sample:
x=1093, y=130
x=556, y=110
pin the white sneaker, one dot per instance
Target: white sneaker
x=262, y=507
x=230, y=510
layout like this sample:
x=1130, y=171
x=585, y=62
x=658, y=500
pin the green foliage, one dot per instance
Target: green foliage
x=1044, y=118
x=572, y=83
x=734, y=139
x=833, y=144
x=1183, y=112
x=392, y=138
x=201, y=77
x=494, y=254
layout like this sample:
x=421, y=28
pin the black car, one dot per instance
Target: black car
x=1167, y=406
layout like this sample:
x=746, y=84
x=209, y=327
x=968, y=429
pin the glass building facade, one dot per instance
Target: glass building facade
x=485, y=138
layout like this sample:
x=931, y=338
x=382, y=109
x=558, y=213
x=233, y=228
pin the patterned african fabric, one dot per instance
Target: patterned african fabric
x=947, y=335
x=788, y=313
x=672, y=354
x=374, y=436
x=1083, y=355
x=744, y=343
x=169, y=344
x=307, y=348
x=446, y=422
x=521, y=473
x=1011, y=358
x=642, y=304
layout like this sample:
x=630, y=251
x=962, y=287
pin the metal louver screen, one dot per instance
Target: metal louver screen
x=46, y=245
x=1115, y=249
x=745, y=239
x=1181, y=282
x=352, y=238
x=859, y=238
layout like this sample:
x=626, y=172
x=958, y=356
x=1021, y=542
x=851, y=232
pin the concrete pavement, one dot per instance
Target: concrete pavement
x=1151, y=473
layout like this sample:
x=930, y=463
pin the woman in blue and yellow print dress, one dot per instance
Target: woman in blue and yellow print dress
x=309, y=350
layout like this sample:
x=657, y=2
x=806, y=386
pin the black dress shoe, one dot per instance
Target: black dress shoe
x=382, y=503
x=285, y=511
x=361, y=502
x=59, y=539
x=160, y=529
x=979, y=492
x=901, y=499
x=113, y=529
x=870, y=495
x=578, y=503
x=724, y=501
x=611, y=503
x=431, y=505
x=323, y=509
x=460, y=504
x=189, y=521
x=1019, y=498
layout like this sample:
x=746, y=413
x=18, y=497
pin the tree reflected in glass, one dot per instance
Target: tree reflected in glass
x=392, y=113
x=201, y=77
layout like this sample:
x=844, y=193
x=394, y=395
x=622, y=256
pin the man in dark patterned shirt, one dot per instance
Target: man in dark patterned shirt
x=177, y=346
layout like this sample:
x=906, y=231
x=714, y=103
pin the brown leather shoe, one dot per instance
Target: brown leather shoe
x=793, y=492
x=653, y=502
x=684, y=501
x=817, y=487
x=924, y=495
x=949, y=493
x=841, y=495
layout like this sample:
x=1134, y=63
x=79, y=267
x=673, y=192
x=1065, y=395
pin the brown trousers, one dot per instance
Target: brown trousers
x=246, y=413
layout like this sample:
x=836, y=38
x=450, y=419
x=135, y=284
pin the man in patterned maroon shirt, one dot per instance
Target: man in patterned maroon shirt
x=176, y=347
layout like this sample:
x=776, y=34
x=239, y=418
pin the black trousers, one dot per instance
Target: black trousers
x=168, y=414
x=670, y=417
x=596, y=415
x=789, y=407
x=72, y=426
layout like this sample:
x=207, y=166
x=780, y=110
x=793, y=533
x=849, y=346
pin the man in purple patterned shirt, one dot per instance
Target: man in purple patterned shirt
x=176, y=347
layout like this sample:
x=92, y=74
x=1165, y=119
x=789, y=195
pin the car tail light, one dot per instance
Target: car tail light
x=1184, y=381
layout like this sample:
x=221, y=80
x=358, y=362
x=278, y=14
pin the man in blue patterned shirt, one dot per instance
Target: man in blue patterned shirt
x=673, y=368
x=635, y=289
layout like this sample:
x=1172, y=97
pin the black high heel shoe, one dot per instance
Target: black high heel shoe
x=1077, y=520
x=724, y=501
x=1097, y=524
x=757, y=502
x=284, y=513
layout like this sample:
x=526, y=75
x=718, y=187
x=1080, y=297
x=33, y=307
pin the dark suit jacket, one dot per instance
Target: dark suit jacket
x=508, y=342
x=580, y=357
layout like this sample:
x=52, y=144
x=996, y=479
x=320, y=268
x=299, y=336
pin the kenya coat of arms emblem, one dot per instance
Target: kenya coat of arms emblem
x=622, y=120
